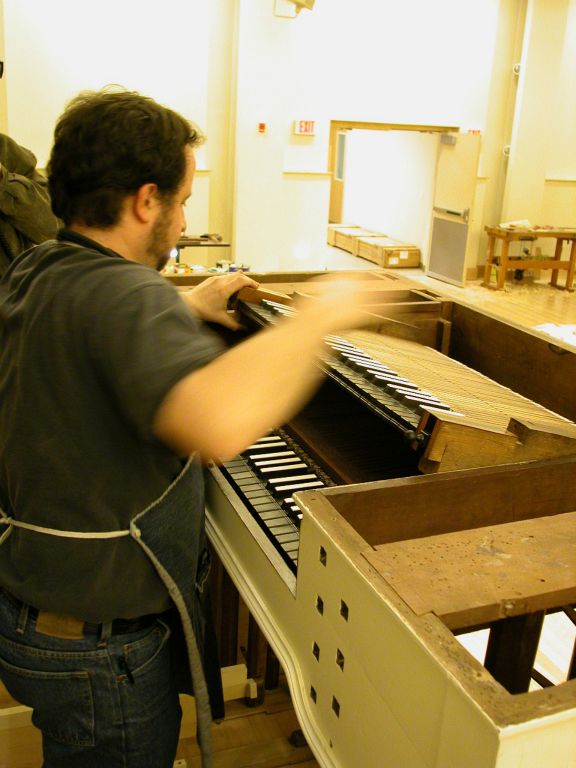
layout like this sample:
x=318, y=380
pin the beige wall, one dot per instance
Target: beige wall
x=71, y=46
x=559, y=194
x=3, y=117
x=381, y=62
x=538, y=103
x=232, y=64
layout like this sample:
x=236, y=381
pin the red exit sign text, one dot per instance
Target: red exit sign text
x=304, y=127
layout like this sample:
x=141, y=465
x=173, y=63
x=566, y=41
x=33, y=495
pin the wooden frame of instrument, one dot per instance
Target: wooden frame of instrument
x=373, y=681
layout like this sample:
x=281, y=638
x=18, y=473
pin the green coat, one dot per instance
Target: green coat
x=26, y=217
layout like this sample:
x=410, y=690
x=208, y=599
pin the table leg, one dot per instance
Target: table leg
x=571, y=266
x=503, y=264
x=511, y=650
x=489, y=261
x=557, y=257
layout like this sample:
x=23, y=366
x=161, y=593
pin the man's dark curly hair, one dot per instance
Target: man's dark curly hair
x=107, y=144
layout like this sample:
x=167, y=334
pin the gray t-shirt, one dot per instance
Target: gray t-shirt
x=90, y=344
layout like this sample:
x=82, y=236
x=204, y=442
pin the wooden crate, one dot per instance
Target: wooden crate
x=332, y=231
x=346, y=237
x=388, y=253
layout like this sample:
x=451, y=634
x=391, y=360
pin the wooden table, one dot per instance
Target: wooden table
x=504, y=263
x=201, y=241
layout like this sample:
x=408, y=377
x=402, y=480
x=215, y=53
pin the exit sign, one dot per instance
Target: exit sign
x=304, y=127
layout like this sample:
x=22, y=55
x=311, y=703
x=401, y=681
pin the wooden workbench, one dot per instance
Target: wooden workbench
x=503, y=262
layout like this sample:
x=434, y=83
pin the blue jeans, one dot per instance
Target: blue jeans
x=100, y=703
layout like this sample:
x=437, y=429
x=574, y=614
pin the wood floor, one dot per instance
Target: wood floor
x=532, y=305
x=255, y=737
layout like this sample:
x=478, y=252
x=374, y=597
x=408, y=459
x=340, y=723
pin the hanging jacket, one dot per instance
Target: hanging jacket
x=26, y=216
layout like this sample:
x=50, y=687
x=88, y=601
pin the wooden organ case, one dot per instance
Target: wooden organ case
x=410, y=511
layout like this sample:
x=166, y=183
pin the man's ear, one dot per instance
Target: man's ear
x=145, y=202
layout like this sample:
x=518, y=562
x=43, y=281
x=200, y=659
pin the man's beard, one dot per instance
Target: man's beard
x=159, y=244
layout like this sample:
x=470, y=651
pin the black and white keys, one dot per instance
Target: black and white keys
x=384, y=385
x=266, y=475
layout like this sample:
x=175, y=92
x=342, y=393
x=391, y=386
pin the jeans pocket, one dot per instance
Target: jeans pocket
x=62, y=702
x=142, y=654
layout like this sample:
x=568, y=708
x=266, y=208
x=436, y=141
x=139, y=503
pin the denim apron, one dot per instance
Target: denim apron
x=171, y=533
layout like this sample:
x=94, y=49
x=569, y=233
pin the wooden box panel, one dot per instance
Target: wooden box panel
x=346, y=237
x=387, y=253
x=332, y=231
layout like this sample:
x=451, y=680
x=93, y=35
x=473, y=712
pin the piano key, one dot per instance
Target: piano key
x=250, y=490
x=342, y=346
x=271, y=519
x=338, y=340
x=353, y=359
x=268, y=504
x=357, y=353
x=281, y=529
x=432, y=408
x=299, y=486
x=416, y=404
x=243, y=474
x=391, y=406
x=385, y=380
x=273, y=455
x=406, y=393
x=291, y=547
x=276, y=481
x=256, y=493
x=334, y=337
x=373, y=365
x=269, y=445
x=270, y=462
x=372, y=372
x=277, y=471
x=365, y=365
x=441, y=407
x=266, y=439
x=268, y=512
x=413, y=392
x=277, y=308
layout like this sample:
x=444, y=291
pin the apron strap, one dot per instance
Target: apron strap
x=203, y=711
x=11, y=523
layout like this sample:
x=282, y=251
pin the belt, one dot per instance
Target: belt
x=69, y=627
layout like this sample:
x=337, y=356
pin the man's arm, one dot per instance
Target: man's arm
x=222, y=408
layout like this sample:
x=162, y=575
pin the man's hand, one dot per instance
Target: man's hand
x=209, y=299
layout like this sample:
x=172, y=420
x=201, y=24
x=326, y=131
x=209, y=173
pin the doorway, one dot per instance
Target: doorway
x=400, y=180
x=339, y=130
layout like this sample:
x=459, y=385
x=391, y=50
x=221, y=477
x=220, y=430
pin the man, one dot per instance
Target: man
x=25, y=214
x=113, y=392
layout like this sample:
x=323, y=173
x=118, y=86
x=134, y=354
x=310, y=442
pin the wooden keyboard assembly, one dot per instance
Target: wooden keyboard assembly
x=412, y=500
